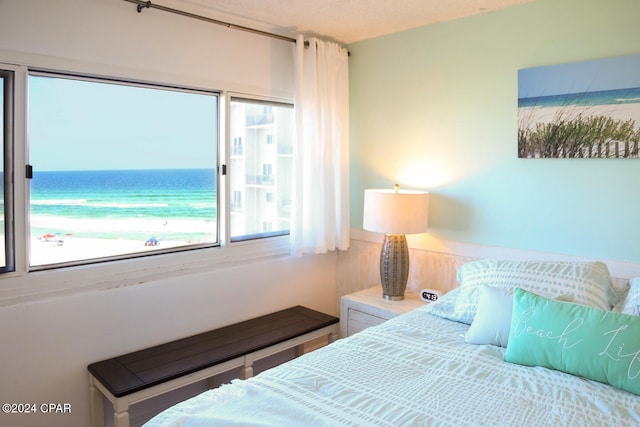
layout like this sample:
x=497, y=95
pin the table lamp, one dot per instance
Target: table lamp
x=395, y=213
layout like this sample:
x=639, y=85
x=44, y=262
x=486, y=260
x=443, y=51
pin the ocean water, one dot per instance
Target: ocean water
x=587, y=99
x=175, y=204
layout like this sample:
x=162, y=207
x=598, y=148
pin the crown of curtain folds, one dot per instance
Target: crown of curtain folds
x=320, y=215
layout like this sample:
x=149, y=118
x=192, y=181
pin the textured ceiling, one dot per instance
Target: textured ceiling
x=345, y=21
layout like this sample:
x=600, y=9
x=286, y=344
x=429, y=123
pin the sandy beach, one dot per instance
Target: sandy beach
x=58, y=250
x=528, y=116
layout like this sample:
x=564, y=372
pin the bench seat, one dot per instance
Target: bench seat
x=137, y=376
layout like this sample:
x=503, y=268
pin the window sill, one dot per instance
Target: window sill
x=21, y=287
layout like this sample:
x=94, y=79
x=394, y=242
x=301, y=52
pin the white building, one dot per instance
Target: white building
x=261, y=155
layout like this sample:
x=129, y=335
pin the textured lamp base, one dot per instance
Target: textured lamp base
x=394, y=266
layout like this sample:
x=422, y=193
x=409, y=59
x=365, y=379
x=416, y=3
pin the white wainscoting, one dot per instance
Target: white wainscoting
x=434, y=263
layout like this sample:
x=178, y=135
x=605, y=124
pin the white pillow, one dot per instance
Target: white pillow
x=631, y=304
x=492, y=321
x=586, y=283
x=493, y=317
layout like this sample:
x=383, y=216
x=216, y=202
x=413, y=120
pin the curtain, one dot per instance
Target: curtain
x=320, y=214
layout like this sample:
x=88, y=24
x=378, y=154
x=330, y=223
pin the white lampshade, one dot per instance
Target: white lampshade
x=391, y=212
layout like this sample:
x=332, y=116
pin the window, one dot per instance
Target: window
x=236, y=150
x=119, y=169
x=6, y=190
x=267, y=174
x=264, y=167
x=236, y=202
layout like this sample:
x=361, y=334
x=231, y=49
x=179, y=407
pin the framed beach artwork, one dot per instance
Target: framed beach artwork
x=586, y=109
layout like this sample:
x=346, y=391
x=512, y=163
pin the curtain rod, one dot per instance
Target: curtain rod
x=147, y=4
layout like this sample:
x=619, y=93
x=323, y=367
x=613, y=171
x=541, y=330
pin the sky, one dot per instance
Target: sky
x=80, y=125
x=578, y=77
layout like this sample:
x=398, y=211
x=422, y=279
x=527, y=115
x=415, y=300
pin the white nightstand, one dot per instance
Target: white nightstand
x=366, y=308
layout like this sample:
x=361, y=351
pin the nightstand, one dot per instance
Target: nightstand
x=366, y=308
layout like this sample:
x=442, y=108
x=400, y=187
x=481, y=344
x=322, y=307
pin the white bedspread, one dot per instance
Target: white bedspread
x=413, y=370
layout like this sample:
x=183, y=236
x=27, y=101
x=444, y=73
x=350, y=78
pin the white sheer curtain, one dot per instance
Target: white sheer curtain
x=320, y=216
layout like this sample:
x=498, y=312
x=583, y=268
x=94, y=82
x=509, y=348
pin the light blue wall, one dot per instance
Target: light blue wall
x=436, y=108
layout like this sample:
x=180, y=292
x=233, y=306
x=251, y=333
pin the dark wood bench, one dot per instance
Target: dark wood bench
x=137, y=376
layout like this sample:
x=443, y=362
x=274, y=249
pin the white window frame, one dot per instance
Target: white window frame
x=283, y=239
x=28, y=286
x=8, y=129
x=144, y=85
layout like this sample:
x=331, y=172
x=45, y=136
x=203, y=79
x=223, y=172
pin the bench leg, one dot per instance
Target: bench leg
x=121, y=413
x=96, y=404
x=121, y=419
x=246, y=372
x=211, y=382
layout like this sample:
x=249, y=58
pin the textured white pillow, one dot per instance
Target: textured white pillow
x=631, y=303
x=492, y=321
x=493, y=317
x=586, y=283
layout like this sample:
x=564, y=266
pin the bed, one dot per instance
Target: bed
x=444, y=364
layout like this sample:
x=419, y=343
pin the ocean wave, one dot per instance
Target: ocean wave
x=59, y=202
x=86, y=203
x=120, y=205
x=125, y=204
x=203, y=205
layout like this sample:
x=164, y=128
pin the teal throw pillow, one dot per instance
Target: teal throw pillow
x=585, y=341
